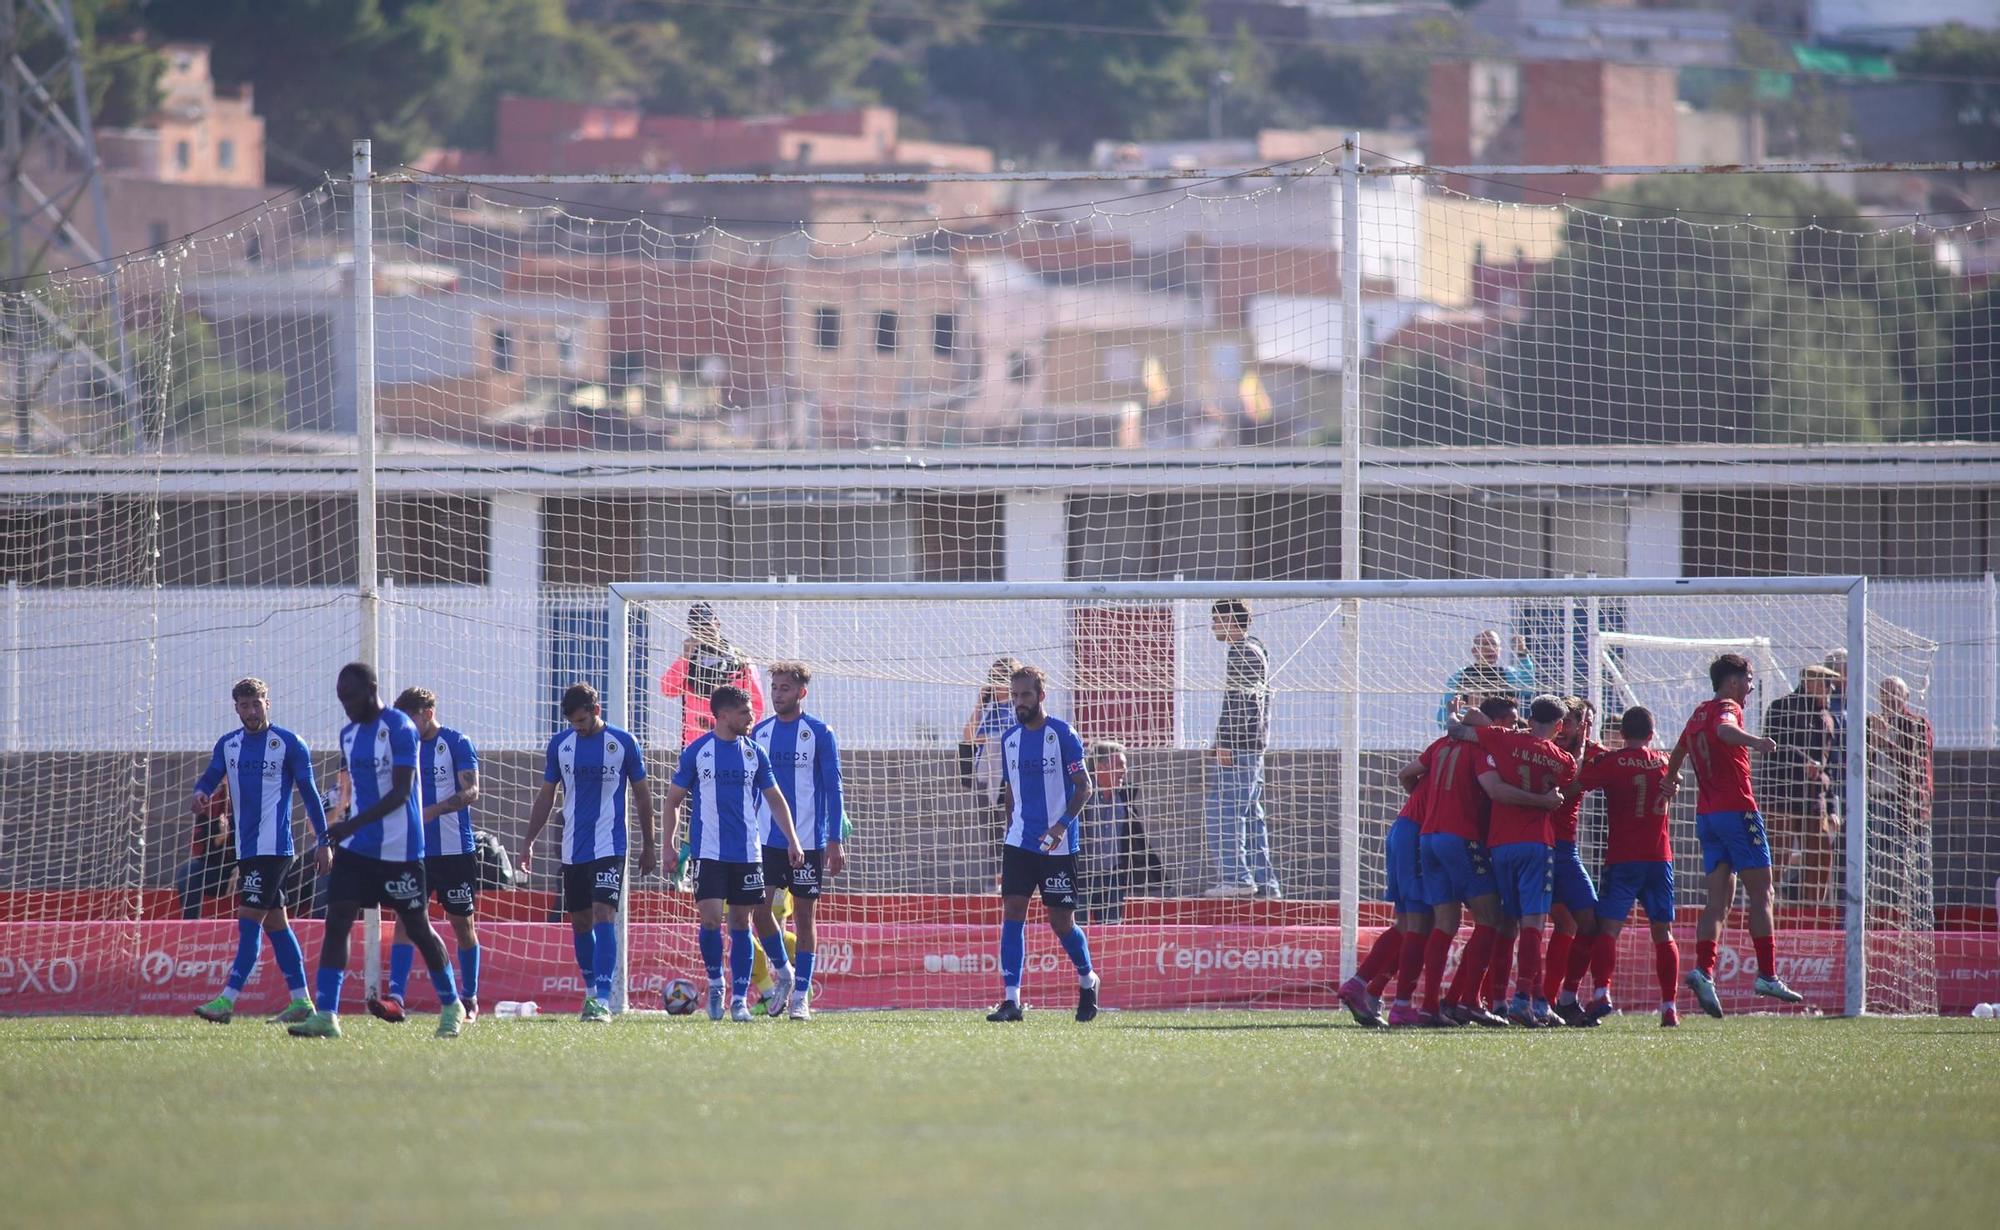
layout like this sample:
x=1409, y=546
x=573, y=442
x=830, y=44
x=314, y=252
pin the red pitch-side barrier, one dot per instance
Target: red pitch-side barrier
x=167, y=967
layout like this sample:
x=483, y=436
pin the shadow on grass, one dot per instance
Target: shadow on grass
x=1251, y=1026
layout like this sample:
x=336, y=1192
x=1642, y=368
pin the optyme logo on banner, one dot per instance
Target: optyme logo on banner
x=157, y=968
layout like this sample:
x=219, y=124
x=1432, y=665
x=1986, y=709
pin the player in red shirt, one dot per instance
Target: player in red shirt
x=1573, y=918
x=1731, y=831
x=1638, y=857
x=1523, y=772
x=1404, y=890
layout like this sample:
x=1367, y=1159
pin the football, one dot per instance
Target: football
x=680, y=997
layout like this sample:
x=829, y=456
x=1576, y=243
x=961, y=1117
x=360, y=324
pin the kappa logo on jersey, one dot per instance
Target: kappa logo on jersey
x=253, y=883
x=608, y=877
x=404, y=887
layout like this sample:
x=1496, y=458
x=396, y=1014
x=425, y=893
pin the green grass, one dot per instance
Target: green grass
x=940, y=1119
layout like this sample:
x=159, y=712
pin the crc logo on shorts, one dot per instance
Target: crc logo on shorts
x=1057, y=883
x=403, y=888
x=755, y=878
x=608, y=878
x=253, y=883
x=805, y=876
x=460, y=894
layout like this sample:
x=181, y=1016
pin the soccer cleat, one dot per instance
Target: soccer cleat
x=1232, y=888
x=451, y=1018
x=218, y=1011
x=1473, y=1014
x=1269, y=892
x=1354, y=996
x=740, y=1010
x=1544, y=1017
x=761, y=1006
x=1704, y=993
x=1404, y=1016
x=596, y=1011
x=1086, y=1003
x=1670, y=1017
x=801, y=1007
x=1570, y=1014
x=471, y=1008
x=296, y=1011
x=387, y=1008
x=716, y=1003
x=1007, y=1011
x=318, y=1025
x=1775, y=988
x=781, y=993
x=1521, y=1014
x=1600, y=1008
x=1436, y=1021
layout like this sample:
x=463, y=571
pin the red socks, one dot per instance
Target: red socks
x=1557, y=963
x=1471, y=967
x=1382, y=956
x=1530, y=960
x=1437, y=950
x=1667, y=965
x=1704, y=956
x=1499, y=969
x=1767, y=955
x=1580, y=958
x=1412, y=972
x=1604, y=961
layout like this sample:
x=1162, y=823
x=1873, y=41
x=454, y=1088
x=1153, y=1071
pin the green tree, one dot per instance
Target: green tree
x=1967, y=398
x=1960, y=51
x=1426, y=400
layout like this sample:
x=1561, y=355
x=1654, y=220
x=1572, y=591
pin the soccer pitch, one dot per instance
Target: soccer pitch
x=942, y=1119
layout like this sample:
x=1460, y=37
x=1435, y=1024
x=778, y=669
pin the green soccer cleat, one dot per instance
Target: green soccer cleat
x=318, y=1025
x=1704, y=993
x=1775, y=988
x=218, y=1010
x=596, y=1010
x=451, y=1018
x=296, y=1011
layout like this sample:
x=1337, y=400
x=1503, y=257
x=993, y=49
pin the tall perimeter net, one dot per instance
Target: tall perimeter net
x=1057, y=382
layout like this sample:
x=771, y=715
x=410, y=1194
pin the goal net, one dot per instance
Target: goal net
x=1298, y=375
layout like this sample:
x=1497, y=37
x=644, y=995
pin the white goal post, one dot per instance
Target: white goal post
x=1353, y=601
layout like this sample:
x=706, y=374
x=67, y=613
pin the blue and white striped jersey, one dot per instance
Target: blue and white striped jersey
x=440, y=761
x=372, y=751
x=262, y=770
x=1038, y=764
x=594, y=771
x=724, y=779
x=805, y=760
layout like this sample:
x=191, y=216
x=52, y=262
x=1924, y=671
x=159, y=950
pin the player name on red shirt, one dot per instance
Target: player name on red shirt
x=1563, y=820
x=1454, y=802
x=1536, y=766
x=1635, y=804
x=1721, y=770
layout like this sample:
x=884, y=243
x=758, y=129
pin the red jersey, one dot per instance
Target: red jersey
x=1563, y=820
x=1721, y=770
x=1635, y=804
x=1536, y=766
x=692, y=685
x=1413, y=807
x=1454, y=803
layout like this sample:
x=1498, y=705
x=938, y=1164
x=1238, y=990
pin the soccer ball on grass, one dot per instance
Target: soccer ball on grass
x=680, y=997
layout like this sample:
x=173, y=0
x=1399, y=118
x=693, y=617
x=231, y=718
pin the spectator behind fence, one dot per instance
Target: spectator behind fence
x=1238, y=838
x=1836, y=708
x=992, y=716
x=1484, y=676
x=707, y=662
x=1106, y=826
x=211, y=856
x=1901, y=747
x=1792, y=784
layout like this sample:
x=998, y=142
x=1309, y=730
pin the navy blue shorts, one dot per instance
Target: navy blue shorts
x=360, y=880
x=261, y=880
x=1649, y=884
x=732, y=883
x=1733, y=837
x=1023, y=873
x=1526, y=876
x=779, y=873
x=1405, y=873
x=1572, y=884
x=601, y=881
x=1455, y=869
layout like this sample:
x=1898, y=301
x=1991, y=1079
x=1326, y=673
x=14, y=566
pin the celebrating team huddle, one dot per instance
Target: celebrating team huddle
x=1490, y=828
x=766, y=814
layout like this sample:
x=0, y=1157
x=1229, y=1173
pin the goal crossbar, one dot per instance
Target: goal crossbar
x=1352, y=595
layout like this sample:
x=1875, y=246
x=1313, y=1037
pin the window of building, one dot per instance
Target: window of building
x=225, y=154
x=826, y=328
x=944, y=335
x=157, y=234
x=503, y=351
x=887, y=326
x=183, y=155
x=1020, y=367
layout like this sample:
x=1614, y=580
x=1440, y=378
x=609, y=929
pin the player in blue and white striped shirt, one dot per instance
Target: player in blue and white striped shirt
x=261, y=764
x=805, y=760
x=448, y=786
x=1046, y=789
x=722, y=775
x=380, y=854
x=595, y=765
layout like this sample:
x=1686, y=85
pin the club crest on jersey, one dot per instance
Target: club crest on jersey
x=274, y=743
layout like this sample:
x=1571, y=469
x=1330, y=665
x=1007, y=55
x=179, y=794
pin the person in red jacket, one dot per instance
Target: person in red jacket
x=707, y=662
